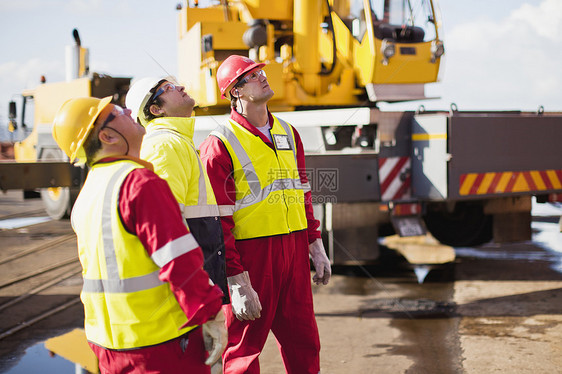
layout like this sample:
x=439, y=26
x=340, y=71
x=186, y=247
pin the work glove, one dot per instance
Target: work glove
x=320, y=261
x=215, y=338
x=245, y=301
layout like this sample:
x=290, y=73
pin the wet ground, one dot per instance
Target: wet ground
x=496, y=309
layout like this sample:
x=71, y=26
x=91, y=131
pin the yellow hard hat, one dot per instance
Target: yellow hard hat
x=73, y=123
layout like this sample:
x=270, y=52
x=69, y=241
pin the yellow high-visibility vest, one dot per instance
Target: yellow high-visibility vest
x=269, y=192
x=126, y=305
x=168, y=145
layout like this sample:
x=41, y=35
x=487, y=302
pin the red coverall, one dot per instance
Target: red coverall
x=279, y=270
x=145, y=203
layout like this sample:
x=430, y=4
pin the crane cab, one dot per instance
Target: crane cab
x=397, y=45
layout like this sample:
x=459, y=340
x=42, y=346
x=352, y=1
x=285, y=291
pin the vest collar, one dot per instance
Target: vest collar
x=108, y=160
x=242, y=121
x=183, y=125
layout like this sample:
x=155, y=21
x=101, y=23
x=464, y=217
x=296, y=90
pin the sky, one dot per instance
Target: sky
x=499, y=54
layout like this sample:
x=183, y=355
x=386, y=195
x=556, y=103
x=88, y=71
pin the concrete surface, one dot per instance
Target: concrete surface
x=496, y=309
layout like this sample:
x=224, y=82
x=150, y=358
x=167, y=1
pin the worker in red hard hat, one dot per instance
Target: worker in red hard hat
x=255, y=162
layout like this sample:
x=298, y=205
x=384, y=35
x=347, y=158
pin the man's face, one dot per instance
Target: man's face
x=175, y=101
x=115, y=118
x=255, y=88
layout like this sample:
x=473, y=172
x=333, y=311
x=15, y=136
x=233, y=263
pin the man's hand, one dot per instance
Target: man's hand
x=245, y=301
x=320, y=261
x=215, y=337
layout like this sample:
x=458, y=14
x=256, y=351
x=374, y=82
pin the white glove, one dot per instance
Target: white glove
x=245, y=301
x=215, y=338
x=320, y=261
x=217, y=368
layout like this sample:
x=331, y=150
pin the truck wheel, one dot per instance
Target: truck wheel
x=58, y=201
x=466, y=225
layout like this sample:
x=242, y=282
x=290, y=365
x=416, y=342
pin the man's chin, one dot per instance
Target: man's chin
x=269, y=95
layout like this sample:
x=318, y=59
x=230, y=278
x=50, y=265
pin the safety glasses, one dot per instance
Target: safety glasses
x=252, y=77
x=166, y=87
x=116, y=112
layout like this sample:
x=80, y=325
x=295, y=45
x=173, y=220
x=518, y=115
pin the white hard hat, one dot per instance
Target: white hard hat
x=139, y=94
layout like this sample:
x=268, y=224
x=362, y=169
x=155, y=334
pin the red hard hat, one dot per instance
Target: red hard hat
x=233, y=68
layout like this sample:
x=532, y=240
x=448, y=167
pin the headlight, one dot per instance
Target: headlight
x=387, y=50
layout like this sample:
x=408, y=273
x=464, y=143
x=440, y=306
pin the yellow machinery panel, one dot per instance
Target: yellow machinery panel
x=267, y=9
x=188, y=17
x=226, y=35
x=411, y=64
x=196, y=67
x=47, y=99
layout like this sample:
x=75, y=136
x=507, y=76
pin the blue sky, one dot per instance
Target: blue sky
x=499, y=54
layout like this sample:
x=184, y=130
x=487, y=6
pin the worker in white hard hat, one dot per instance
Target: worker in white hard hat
x=145, y=293
x=165, y=109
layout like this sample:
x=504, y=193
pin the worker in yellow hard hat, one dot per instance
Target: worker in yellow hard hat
x=165, y=109
x=255, y=162
x=145, y=292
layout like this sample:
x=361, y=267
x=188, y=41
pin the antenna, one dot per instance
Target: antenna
x=157, y=63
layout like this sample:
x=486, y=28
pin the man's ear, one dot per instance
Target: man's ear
x=156, y=110
x=107, y=137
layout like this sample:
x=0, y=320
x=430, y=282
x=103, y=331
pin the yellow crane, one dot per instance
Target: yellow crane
x=319, y=53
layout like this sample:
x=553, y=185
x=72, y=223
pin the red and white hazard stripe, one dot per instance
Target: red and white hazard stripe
x=395, y=178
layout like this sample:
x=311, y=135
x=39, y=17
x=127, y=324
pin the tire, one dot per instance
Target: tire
x=58, y=201
x=465, y=226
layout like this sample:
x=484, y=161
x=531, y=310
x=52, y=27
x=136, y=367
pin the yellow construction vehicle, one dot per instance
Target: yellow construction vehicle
x=319, y=53
x=40, y=164
x=466, y=177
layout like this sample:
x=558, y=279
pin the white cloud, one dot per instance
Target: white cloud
x=508, y=63
x=28, y=74
x=545, y=19
x=28, y=5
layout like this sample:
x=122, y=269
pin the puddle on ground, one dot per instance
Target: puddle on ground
x=546, y=236
x=549, y=238
x=37, y=356
x=16, y=223
x=433, y=344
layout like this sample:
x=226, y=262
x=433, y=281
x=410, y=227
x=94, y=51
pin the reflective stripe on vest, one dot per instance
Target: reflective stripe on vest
x=174, y=249
x=269, y=198
x=202, y=209
x=259, y=193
